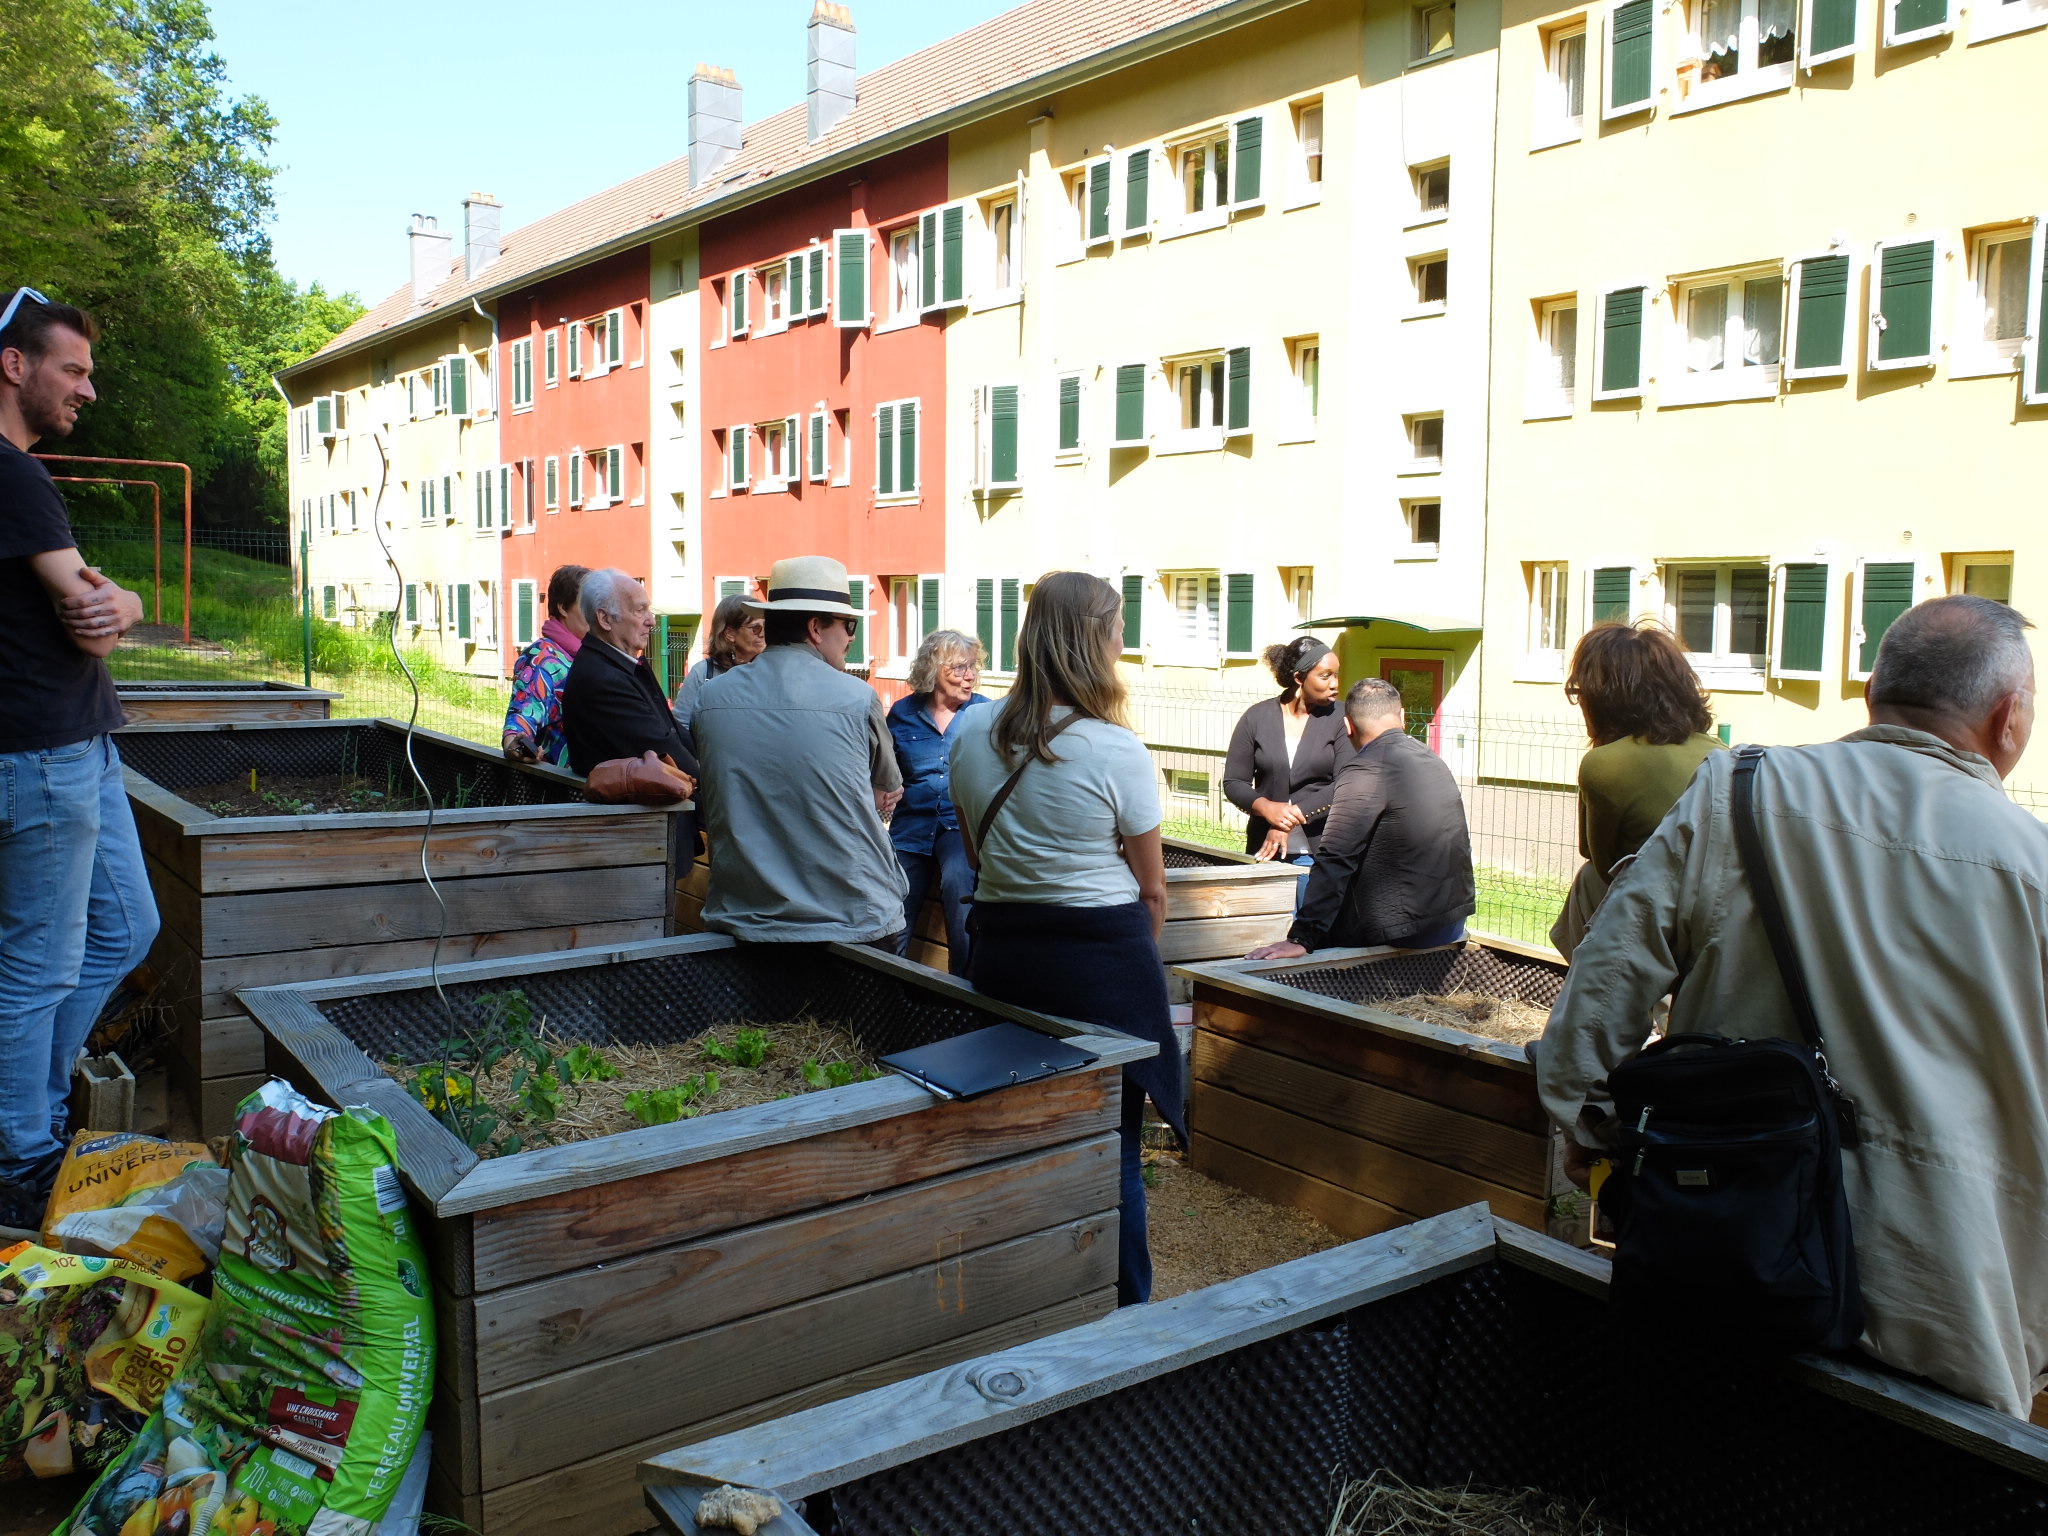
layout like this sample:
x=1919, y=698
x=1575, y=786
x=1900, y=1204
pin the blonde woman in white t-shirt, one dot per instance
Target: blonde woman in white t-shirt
x=1072, y=889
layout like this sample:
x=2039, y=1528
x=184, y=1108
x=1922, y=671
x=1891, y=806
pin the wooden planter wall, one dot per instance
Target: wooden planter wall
x=254, y=901
x=1219, y=905
x=209, y=703
x=1367, y=1119
x=602, y=1301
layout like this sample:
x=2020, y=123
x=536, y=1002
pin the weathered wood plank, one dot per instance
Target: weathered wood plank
x=587, y=1314
x=177, y=903
x=230, y=860
x=210, y=709
x=826, y=1446
x=1240, y=896
x=259, y=922
x=1484, y=1148
x=580, y=1413
x=676, y=1507
x=1210, y=937
x=526, y=1239
x=511, y=964
x=1477, y=1086
x=601, y=1497
x=1344, y=1211
x=1381, y=1173
x=218, y=1098
x=225, y=1047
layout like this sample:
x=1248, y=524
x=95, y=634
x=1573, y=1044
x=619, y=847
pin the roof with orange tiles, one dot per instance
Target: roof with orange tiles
x=1007, y=55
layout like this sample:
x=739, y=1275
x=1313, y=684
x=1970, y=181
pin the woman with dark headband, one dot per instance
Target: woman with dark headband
x=1285, y=753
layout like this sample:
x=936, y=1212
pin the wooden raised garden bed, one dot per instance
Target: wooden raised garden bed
x=1451, y=1354
x=522, y=861
x=195, y=702
x=602, y=1300
x=1219, y=905
x=1308, y=1095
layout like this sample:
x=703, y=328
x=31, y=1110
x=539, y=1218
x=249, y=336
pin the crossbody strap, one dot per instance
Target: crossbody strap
x=988, y=816
x=1764, y=889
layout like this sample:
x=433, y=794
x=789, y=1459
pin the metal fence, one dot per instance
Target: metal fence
x=272, y=546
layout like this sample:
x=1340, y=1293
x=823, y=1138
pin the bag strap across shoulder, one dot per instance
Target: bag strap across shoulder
x=988, y=816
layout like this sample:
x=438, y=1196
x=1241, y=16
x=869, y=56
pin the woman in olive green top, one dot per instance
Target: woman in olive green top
x=1647, y=715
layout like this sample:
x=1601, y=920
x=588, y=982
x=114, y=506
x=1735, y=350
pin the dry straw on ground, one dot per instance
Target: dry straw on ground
x=1386, y=1505
x=1476, y=1013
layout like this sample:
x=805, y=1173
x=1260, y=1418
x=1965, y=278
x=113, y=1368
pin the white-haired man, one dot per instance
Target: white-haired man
x=798, y=765
x=1916, y=895
x=612, y=703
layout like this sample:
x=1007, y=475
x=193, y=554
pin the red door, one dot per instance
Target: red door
x=1421, y=682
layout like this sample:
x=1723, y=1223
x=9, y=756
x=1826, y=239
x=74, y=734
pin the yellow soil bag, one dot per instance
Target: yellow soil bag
x=159, y=1204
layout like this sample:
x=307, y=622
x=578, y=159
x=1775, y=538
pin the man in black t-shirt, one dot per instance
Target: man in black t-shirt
x=76, y=913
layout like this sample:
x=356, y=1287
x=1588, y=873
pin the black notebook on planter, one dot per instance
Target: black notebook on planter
x=1001, y=1056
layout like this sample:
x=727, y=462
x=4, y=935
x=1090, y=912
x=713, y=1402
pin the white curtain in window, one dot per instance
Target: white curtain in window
x=1762, y=317
x=1564, y=348
x=2003, y=283
x=1774, y=20
x=1571, y=74
x=1706, y=324
x=1721, y=31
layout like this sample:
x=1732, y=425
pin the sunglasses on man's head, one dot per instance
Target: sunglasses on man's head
x=7, y=315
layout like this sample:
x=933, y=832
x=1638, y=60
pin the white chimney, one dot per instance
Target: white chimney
x=714, y=98
x=480, y=216
x=832, y=74
x=429, y=256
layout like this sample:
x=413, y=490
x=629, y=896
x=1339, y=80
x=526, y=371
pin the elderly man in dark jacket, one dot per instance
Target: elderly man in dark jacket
x=1395, y=865
x=612, y=705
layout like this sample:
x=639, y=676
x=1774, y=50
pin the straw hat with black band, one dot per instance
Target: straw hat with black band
x=808, y=584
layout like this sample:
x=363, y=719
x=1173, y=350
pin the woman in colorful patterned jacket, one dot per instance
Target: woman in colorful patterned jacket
x=533, y=723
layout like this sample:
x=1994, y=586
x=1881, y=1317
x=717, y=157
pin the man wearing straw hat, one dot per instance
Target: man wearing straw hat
x=798, y=767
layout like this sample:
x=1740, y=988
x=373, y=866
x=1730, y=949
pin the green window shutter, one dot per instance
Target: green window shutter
x=1134, y=612
x=906, y=446
x=1098, y=200
x=448, y=496
x=1070, y=412
x=552, y=367
x=323, y=415
x=1007, y=632
x=615, y=474
x=1249, y=134
x=575, y=350
x=327, y=602
x=2035, y=388
x=850, y=255
x=739, y=458
x=1621, y=345
x=1238, y=617
x=885, y=451
x=504, y=495
x=462, y=610
x=615, y=338
x=1831, y=27
x=928, y=260
x=1629, y=36
x=1821, y=313
x=1906, y=301
x=554, y=479
x=1802, y=620
x=928, y=604
x=793, y=288
x=1887, y=593
x=739, y=303
x=817, y=445
x=1237, y=414
x=575, y=477
x=412, y=603
x=1611, y=594
x=985, y=616
x=857, y=594
x=458, y=385
x=815, y=260
x=732, y=586
x=1130, y=403
x=953, y=254
x=524, y=618
x=1137, y=190
x=1002, y=412
x=1917, y=15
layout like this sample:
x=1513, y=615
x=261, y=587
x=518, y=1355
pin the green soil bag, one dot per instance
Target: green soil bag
x=305, y=1401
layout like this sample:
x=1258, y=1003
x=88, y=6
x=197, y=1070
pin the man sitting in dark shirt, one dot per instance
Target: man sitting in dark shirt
x=612, y=704
x=1395, y=864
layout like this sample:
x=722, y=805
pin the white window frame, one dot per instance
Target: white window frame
x=1808, y=59
x=1750, y=78
x=982, y=410
x=1549, y=397
x=574, y=338
x=1214, y=212
x=1743, y=380
x=988, y=292
x=901, y=494
x=1177, y=647
x=1897, y=39
x=522, y=374
x=535, y=610
x=1154, y=156
x=1112, y=223
x=908, y=311
x=1301, y=191
x=1720, y=667
x=1302, y=418
x=577, y=493
x=1549, y=604
x=1412, y=462
x=773, y=281
x=1875, y=301
x=1418, y=305
x=1419, y=50
x=2033, y=389
x=1413, y=548
x=739, y=305
x=1990, y=19
x=815, y=473
x=1212, y=367
x=1554, y=124
x=772, y=473
x=1928, y=581
x=551, y=484
x=615, y=475
x=1973, y=355
x=1961, y=562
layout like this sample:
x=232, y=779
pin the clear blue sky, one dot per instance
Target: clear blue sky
x=387, y=107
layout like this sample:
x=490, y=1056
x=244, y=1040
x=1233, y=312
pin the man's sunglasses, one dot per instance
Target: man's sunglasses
x=7, y=315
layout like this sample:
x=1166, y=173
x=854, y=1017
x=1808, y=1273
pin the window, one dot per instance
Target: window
x=996, y=437
x=575, y=333
x=1743, y=46
x=1308, y=140
x=896, y=449
x=1619, y=353
x=427, y=494
x=1730, y=328
x=1720, y=613
x=1204, y=171
x=1829, y=30
x=1308, y=380
x=777, y=467
x=1094, y=204
x=614, y=465
x=524, y=609
x=735, y=306
x=1884, y=590
x=1982, y=576
x=1549, y=605
x=1426, y=442
x=1902, y=304
x=1425, y=525
x=528, y=492
x=736, y=458
x=1563, y=102
x=552, y=497
x=551, y=365
x=1435, y=30
x=1068, y=440
x=2001, y=266
x=522, y=374
x=1130, y=405
x=817, y=447
x=306, y=432
x=482, y=504
x=348, y=504
x=903, y=284
x=1186, y=782
x=576, y=473
x=1133, y=193
x=1299, y=583
x=1433, y=189
x=1198, y=387
x=1005, y=272
x=2005, y=16
x=1908, y=21
x=1820, y=312
x=1134, y=612
x=1631, y=36
x=774, y=305
x=850, y=261
x=1431, y=276
x=1554, y=380
x=913, y=613
x=942, y=257
x=1197, y=609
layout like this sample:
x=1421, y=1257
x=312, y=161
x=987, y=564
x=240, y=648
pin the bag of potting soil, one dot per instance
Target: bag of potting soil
x=303, y=1407
x=120, y=1195
x=86, y=1348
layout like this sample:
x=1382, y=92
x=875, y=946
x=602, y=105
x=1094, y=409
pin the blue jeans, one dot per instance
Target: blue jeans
x=1134, y=1248
x=948, y=861
x=76, y=916
x=1306, y=862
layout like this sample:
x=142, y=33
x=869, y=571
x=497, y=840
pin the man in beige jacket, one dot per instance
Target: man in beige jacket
x=1917, y=895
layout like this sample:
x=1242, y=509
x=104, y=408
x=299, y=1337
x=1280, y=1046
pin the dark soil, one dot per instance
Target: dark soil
x=319, y=794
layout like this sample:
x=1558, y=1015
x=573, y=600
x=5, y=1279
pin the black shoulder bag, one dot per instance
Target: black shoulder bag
x=1726, y=1194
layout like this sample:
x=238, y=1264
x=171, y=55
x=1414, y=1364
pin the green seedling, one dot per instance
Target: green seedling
x=660, y=1106
x=835, y=1074
x=749, y=1049
x=586, y=1064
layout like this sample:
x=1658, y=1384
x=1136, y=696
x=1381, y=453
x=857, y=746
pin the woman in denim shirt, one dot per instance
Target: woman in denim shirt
x=925, y=829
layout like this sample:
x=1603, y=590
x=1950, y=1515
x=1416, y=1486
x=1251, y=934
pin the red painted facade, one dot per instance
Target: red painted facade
x=757, y=379
x=590, y=413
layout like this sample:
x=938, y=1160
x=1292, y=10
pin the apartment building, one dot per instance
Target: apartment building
x=1768, y=362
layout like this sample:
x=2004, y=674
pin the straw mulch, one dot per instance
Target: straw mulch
x=1497, y=1018
x=1385, y=1505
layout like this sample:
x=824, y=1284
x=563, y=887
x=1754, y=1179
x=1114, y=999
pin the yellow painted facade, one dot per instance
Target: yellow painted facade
x=1772, y=521
x=397, y=450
